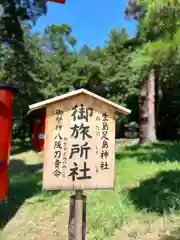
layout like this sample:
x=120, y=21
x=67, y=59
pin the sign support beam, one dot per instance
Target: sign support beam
x=78, y=214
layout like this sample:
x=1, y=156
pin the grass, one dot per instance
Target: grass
x=145, y=202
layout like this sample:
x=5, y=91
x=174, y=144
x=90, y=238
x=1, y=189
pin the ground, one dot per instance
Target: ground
x=144, y=205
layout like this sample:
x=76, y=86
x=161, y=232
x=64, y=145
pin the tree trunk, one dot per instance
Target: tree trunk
x=158, y=99
x=143, y=114
x=147, y=127
x=151, y=131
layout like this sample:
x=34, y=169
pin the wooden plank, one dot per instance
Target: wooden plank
x=45, y=103
x=97, y=153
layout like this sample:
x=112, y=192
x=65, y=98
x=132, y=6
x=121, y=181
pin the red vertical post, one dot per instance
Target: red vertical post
x=42, y=133
x=6, y=104
x=35, y=134
x=39, y=132
x=58, y=1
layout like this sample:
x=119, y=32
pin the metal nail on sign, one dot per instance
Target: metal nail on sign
x=79, y=141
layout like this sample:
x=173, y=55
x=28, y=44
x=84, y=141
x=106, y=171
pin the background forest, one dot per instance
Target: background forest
x=129, y=71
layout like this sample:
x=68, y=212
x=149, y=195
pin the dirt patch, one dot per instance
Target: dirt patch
x=42, y=225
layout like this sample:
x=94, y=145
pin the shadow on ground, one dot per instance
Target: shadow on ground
x=175, y=235
x=25, y=182
x=160, y=194
x=19, y=167
x=158, y=152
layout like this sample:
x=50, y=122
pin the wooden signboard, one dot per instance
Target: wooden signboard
x=79, y=148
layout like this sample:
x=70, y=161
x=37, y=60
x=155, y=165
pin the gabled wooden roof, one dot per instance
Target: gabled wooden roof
x=43, y=104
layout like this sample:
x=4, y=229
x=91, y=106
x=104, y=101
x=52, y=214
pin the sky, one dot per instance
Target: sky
x=91, y=20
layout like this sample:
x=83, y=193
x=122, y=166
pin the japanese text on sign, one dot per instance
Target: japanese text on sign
x=105, y=139
x=82, y=131
x=58, y=143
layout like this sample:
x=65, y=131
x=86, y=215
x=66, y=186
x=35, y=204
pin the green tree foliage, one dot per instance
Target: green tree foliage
x=54, y=67
x=12, y=12
x=158, y=33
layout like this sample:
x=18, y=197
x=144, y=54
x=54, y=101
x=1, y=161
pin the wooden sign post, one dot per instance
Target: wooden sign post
x=79, y=150
x=73, y=223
